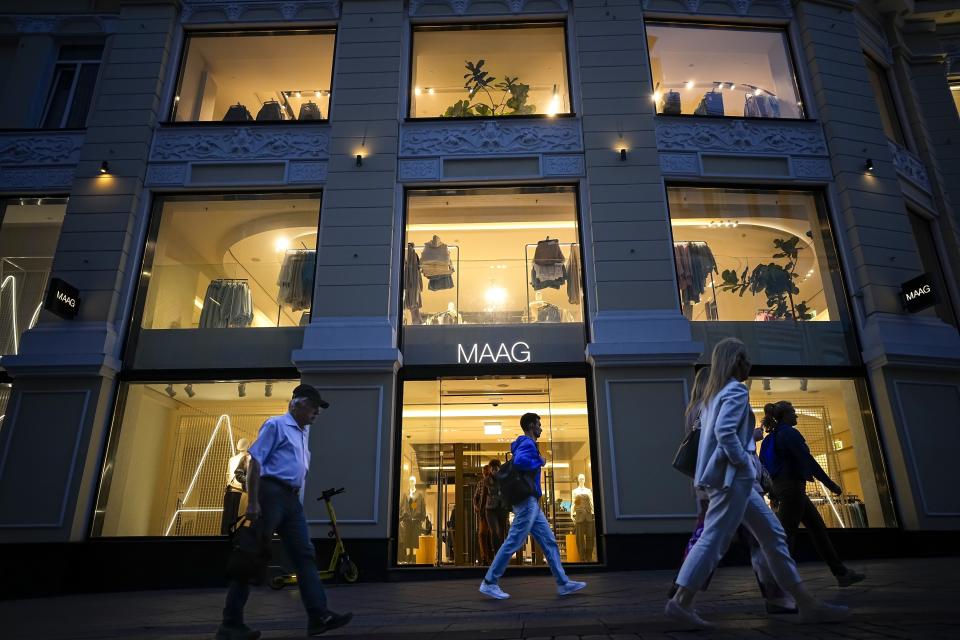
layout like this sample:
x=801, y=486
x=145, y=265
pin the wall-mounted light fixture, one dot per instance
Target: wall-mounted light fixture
x=623, y=154
x=359, y=159
x=190, y=391
x=104, y=167
x=868, y=165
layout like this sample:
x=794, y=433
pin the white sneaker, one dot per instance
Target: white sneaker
x=675, y=612
x=824, y=612
x=493, y=590
x=570, y=586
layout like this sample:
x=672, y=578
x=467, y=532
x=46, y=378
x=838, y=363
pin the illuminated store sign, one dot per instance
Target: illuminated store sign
x=918, y=294
x=477, y=354
x=63, y=299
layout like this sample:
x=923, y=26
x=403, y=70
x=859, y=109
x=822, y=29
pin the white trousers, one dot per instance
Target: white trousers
x=740, y=504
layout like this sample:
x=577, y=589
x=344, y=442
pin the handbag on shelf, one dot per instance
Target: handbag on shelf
x=237, y=113
x=310, y=111
x=270, y=111
x=711, y=104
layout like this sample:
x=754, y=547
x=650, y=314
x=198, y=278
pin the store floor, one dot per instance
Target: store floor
x=899, y=599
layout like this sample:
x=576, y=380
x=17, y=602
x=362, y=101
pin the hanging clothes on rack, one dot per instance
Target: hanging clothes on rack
x=227, y=303
x=296, y=278
x=695, y=262
x=435, y=264
x=573, y=275
x=548, y=268
x=412, y=284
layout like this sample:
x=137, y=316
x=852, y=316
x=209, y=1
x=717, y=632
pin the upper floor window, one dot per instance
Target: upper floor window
x=722, y=71
x=489, y=71
x=492, y=256
x=71, y=93
x=884, y=96
x=232, y=262
x=268, y=76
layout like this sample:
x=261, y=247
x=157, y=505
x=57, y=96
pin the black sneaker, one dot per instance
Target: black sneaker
x=849, y=578
x=327, y=622
x=776, y=609
x=236, y=632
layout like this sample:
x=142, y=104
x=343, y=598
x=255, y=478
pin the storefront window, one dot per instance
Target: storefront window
x=834, y=418
x=29, y=231
x=5, y=388
x=173, y=451
x=884, y=97
x=492, y=256
x=232, y=262
x=271, y=76
x=722, y=71
x=452, y=428
x=489, y=70
x=930, y=259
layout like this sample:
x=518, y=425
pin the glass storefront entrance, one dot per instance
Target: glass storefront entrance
x=452, y=428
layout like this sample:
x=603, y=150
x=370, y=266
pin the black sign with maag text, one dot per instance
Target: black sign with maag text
x=919, y=293
x=63, y=299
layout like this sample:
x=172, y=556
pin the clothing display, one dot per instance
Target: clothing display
x=435, y=264
x=445, y=317
x=296, y=278
x=764, y=315
x=695, y=262
x=412, y=284
x=549, y=313
x=227, y=303
x=413, y=513
x=765, y=105
x=573, y=276
x=583, y=519
x=237, y=113
x=310, y=111
x=671, y=104
x=270, y=110
x=711, y=104
x=548, y=266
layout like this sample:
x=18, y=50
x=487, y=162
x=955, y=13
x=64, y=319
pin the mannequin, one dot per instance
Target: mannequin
x=452, y=316
x=582, y=514
x=413, y=513
x=236, y=487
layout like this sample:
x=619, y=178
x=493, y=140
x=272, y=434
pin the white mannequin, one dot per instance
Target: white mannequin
x=581, y=489
x=452, y=312
x=413, y=485
x=242, y=445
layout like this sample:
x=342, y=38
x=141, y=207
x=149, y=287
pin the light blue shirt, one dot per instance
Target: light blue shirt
x=282, y=450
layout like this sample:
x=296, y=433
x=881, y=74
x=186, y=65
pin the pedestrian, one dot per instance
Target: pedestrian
x=480, y=511
x=528, y=518
x=278, y=465
x=786, y=456
x=727, y=470
x=497, y=510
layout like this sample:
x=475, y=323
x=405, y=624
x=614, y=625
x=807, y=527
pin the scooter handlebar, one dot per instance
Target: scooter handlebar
x=329, y=493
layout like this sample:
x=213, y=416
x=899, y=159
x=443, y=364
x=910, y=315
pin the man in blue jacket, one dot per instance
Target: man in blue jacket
x=528, y=518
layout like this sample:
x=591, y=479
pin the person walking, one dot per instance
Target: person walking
x=528, y=518
x=786, y=456
x=496, y=509
x=278, y=465
x=480, y=497
x=728, y=470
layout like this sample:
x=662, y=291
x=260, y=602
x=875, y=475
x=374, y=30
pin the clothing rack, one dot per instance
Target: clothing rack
x=526, y=268
x=456, y=286
x=713, y=286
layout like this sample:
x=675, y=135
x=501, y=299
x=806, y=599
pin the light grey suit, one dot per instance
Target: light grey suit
x=725, y=470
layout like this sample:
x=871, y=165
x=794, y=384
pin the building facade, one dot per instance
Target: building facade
x=446, y=213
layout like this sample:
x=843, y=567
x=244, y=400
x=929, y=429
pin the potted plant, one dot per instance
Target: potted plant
x=512, y=100
x=776, y=281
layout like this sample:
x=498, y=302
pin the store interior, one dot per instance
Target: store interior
x=273, y=76
x=453, y=427
x=233, y=262
x=483, y=265
x=530, y=56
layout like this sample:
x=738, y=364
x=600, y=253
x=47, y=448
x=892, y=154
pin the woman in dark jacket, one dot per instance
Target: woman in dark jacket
x=786, y=456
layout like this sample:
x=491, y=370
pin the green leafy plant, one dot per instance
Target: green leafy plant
x=776, y=281
x=511, y=101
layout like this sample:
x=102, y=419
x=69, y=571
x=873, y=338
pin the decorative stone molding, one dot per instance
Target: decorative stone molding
x=59, y=24
x=19, y=179
x=909, y=167
x=812, y=168
x=473, y=7
x=40, y=148
x=734, y=136
x=167, y=174
x=307, y=172
x=420, y=169
x=739, y=7
x=216, y=143
x=571, y=165
x=212, y=11
x=680, y=163
x=490, y=137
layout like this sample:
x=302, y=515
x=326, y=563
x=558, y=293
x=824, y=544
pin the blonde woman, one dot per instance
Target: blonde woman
x=727, y=470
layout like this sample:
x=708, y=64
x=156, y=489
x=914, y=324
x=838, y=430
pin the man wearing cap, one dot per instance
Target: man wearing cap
x=279, y=460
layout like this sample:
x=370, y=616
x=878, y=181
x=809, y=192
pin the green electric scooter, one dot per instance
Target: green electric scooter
x=341, y=566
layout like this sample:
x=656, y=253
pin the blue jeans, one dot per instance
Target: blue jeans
x=528, y=519
x=281, y=512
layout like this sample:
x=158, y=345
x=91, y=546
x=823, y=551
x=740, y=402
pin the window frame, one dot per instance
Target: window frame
x=479, y=26
x=798, y=73
x=884, y=72
x=77, y=65
x=190, y=34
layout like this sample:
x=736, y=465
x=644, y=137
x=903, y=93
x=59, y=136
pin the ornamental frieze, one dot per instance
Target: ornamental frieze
x=205, y=11
x=37, y=148
x=468, y=7
x=909, y=167
x=741, y=136
x=241, y=143
x=490, y=136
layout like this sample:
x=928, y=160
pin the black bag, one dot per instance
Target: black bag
x=270, y=111
x=310, y=111
x=515, y=485
x=686, y=459
x=237, y=113
x=249, y=553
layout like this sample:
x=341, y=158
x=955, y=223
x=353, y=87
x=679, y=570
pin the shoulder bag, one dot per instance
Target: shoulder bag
x=685, y=461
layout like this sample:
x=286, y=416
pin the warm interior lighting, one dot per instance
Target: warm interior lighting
x=495, y=296
x=690, y=84
x=554, y=107
x=416, y=91
x=656, y=96
x=955, y=87
x=281, y=244
x=492, y=428
x=494, y=412
x=198, y=303
x=493, y=226
x=430, y=90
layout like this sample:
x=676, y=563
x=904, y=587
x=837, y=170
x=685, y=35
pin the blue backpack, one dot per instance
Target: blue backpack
x=768, y=455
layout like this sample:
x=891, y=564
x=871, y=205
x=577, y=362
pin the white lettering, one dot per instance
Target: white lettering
x=524, y=353
x=67, y=299
x=502, y=352
x=487, y=353
x=518, y=352
x=918, y=292
x=463, y=356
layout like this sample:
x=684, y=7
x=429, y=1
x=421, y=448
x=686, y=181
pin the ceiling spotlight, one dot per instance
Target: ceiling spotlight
x=766, y=384
x=242, y=389
x=170, y=391
x=268, y=389
x=190, y=391
x=803, y=384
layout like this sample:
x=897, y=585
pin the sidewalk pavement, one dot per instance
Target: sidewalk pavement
x=899, y=599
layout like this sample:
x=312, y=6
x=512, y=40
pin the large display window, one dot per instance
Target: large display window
x=231, y=262
x=494, y=256
x=722, y=71
x=276, y=76
x=174, y=451
x=452, y=428
x=29, y=231
x=489, y=71
x=834, y=417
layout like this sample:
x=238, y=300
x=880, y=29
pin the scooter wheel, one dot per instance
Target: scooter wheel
x=278, y=582
x=349, y=571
